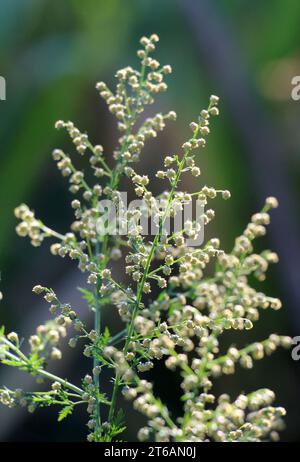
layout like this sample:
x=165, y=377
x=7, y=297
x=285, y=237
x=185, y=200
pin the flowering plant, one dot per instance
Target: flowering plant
x=203, y=291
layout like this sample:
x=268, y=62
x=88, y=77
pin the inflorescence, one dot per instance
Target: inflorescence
x=182, y=325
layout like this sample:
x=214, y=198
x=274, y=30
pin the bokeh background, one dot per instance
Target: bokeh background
x=51, y=55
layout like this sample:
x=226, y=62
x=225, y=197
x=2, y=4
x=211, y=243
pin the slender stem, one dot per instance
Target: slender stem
x=100, y=158
x=14, y=348
x=114, y=398
x=141, y=286
x=44, y=373
x=82, y=181
x=60, y=380
x=118, y=337
x=97, y=326
x=145, y=274
x=51, y=232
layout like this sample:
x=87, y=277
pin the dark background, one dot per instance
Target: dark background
x=51, y=55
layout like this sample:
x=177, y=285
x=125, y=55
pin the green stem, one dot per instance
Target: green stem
x=97, y=326
x=101, y=160
x=64, y=382
x=44, y=373
x=145, y=275
x=118, y=337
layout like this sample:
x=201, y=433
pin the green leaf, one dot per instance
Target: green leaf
x=11, y=362
x=34, y=361
x=87, y=295
x=102, y=398
x=119, y=419
x=105, y=337
x=117, y=430
x=67, y=410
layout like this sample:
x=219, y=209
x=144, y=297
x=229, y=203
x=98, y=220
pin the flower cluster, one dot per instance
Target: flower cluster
x=203, y=291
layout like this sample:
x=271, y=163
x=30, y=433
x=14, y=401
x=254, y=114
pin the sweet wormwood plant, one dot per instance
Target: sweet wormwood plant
x=184, y=324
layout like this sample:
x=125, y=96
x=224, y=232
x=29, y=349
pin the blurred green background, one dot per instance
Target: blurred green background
x=52, y=53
